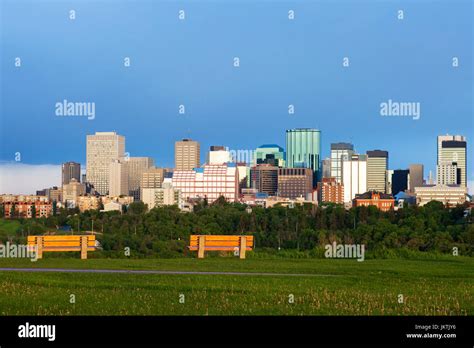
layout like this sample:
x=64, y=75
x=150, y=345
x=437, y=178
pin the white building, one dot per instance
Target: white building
x=452, y=158
x=448, y=174
x=210, y=181
x=218, y=155
x=354, y=176
x=389, y=174
x=102, y=148
x=166, y=195
x=112, y=206
x=338, y=151
x=447, y=194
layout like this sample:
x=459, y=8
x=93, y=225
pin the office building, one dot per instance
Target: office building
x=208, y=182
x=303, y=150
x=71, y=192
x=102, y=149
x=338, y=150
x=449, y=195
x=70, y=170
x=294, y=182
x=264, y=178
x=452, y=151
x=416, y=176
x=326, y=168
x=266, y=152
x=377, y=165
x=218, y=155
x=118, y=178
x=166, y=195
x=136, y=166
x=187, y=154
x=389, y=176
x=448, y=174
x=400, y=180
x=354, y=176
x=152, y=178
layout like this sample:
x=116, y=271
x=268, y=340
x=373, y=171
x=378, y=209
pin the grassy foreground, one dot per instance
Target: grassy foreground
x=326, y=287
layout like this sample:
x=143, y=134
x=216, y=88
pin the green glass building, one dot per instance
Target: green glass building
x=274, y=150
x=303, y=150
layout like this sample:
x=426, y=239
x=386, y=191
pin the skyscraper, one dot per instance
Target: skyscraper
x=448, y=174
x=135, y=167
x=446, y=137
x=326, y=168
x=187, y=154
x=416, y=176
x=118, y=178
x=354, y=176
x=264, y=178
x=70, y=170
x=452, y=156
x=303, y=150
x=263, y=151
x=377, y=165
x=400, y=180
x=102, y=149
x=337, y=151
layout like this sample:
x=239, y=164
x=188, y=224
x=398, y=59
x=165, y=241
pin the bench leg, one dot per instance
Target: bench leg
x=84, y=247
x=243, y=247
x=202, y=245
x=39, y=246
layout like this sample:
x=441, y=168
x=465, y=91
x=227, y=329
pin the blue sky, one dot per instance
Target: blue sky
x=190, y=62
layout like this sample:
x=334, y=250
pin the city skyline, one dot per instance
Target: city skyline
x=205, y=158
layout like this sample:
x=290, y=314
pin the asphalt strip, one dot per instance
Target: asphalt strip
x=124, y=271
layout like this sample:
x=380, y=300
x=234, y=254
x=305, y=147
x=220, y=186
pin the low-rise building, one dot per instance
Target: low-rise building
x=381, y=200
x=166, y=195
x=71, y=191
x=449, y=195
x=330, y=191
x=85, y=203
x=25, y=209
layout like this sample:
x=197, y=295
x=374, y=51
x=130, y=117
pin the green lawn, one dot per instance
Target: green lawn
x=8, y=228
x=345, y=287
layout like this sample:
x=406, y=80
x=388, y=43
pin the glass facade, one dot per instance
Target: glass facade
x=263, y=151
x=303, y=150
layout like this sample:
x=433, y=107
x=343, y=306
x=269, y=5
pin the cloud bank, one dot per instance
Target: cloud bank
x=19, y=178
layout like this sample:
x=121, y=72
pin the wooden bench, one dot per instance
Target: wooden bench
x=82, y=243
x=203, y=243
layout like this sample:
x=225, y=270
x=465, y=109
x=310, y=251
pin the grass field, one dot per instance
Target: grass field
x=328, y=287
x=8, y=227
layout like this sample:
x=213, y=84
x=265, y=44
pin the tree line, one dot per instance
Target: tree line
x=164, y=231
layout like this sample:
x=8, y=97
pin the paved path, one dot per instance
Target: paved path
x=123, y=271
